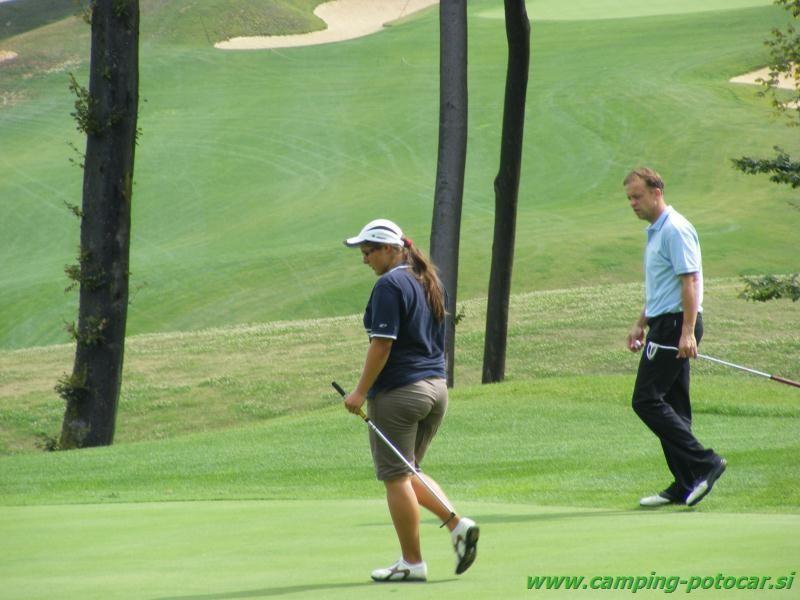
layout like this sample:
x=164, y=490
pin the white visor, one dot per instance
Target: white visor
x=379, y=231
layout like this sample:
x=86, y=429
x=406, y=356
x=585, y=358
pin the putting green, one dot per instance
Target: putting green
x=260, y=549
x=579, y=10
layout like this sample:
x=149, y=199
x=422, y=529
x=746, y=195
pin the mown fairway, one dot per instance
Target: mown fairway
x=253, y=166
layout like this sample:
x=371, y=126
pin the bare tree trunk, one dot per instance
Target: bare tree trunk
x=506, y=188
x=108, y=115
x=446, y=226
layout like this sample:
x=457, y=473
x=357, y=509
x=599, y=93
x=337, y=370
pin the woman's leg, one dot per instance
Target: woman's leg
x=404, y=509
x=429, y=501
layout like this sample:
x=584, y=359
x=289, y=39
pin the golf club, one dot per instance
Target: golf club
x=652, y=348
x=391, y=446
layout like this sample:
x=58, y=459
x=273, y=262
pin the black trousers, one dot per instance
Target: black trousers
x=661, y=400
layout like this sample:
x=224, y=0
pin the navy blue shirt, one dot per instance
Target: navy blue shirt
x=398, y=309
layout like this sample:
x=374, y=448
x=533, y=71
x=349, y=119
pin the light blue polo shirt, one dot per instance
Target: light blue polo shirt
x=673, y=249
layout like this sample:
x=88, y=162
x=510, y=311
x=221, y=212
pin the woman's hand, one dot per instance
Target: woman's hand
x=354, y=402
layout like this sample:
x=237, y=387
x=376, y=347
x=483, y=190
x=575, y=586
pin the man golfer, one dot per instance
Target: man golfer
x=673, y=315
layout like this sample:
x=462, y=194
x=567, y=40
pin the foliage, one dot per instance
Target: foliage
x=72, y=388
x=48, y=443
x=85, y=272
x=784, y=51
x=782, y=167
x=85, y=109
x=771, y=287
x=784, y=46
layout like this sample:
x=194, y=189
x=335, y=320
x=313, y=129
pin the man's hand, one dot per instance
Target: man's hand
x=687, y=347
x=636, y=338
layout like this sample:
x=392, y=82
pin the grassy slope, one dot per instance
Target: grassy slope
x=273, y=428
x=20, y=17
x=182, y=22
x=254, y=165
x=211, y=380
x=554, y=441
x=591, y=10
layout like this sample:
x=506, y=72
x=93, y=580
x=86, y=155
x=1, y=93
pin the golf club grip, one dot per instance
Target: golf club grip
x=341, y=391
x=784, y=380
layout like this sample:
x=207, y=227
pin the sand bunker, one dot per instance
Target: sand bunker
x=7, y=55
x=784, y=82
x=346, y=20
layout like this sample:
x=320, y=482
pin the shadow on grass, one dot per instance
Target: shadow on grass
x=551, y=516
x=583, y=514
x=294, y=589
x=634, y=511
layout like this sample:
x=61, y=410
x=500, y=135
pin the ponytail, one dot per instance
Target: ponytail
x=425, y=272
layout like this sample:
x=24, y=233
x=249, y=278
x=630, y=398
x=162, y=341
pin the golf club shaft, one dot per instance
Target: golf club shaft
x=399, y=455
x=732, y=365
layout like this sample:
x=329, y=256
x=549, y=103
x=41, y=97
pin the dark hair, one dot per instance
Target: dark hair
x=650, y=177
x=425, y=272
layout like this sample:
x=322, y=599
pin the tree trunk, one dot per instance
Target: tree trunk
x=446, y=226
x=110, y=117
x=506, y=188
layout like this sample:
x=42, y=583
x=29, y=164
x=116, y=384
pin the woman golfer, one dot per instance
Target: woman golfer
x=404, y=380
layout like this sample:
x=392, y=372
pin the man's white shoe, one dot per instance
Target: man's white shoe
x=402, y=571
x=656, y=500
x=702, y=488
x=465, y=543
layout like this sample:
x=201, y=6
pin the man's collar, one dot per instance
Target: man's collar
x=659, y=222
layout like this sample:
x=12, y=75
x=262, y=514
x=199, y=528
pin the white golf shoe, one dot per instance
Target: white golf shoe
x=402, y=571
x=703, y=487
x=465, y=543
x=660, y=499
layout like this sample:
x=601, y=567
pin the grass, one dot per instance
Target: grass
x=236, y=473
x=249, y=413
x=550, y=466
x=592, y=10
x=20, y=17
x=240, y=375
x=535, y=442
x=254, y=165
x=237, y=550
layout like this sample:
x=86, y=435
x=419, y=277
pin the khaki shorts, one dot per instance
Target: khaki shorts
x=409, y=416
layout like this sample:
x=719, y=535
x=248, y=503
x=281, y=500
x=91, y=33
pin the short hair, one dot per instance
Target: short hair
x=650, y=177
